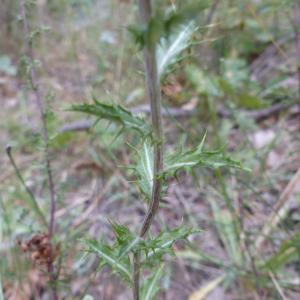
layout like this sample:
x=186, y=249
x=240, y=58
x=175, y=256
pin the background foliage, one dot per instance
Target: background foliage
x=228, y=71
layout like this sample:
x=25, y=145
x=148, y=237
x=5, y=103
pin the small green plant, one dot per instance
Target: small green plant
x=40, y=245
x=133, y=253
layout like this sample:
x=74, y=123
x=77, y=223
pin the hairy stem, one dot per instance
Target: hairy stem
x=154, y=96
x=39, y=102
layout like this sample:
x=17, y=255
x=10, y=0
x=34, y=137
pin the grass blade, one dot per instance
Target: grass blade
x=202, y=293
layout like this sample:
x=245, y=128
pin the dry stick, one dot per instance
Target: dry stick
x=277, y=286
x=279, y=210
x=154, y=95
x=212, y=12
x=39, y=102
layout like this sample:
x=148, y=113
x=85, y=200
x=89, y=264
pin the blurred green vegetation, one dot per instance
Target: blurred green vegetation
x=236, y=59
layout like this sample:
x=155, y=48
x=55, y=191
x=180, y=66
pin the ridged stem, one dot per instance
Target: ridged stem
x=154, y=97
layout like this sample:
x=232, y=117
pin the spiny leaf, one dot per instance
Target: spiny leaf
x=130, y=247
x=156, y=247
x=144, y=168
x=125, y=240
x=171, y=47
x=114, y=113
x=151, y=286
x=161, y=26
x=120, y=266
x=186, y=160
x=122, y=233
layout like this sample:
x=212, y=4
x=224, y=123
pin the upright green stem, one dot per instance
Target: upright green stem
x=154, y=96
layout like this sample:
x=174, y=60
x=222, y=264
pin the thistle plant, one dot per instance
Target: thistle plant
x=163, y=39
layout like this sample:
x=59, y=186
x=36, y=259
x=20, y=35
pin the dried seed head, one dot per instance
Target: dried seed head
x=41, y=249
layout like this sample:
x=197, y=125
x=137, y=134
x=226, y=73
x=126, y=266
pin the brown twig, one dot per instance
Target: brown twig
x=212, y=12
x=40, y=105
x=278, y=211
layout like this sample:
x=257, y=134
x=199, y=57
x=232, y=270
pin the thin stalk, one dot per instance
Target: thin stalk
x=136, y=275
x=39, y=102
x=212, y=12
x=154, y=96
x=28, y=190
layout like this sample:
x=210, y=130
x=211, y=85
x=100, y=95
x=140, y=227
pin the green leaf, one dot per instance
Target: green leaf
x=151, y=286
x=289, y=250
x=59, y=140
x=161, y=26
x=226, y=87
x=186, y=11
x=130, y=247
x=226, y=228
x=121, y=232
x=235, y=72
x=114, y=113
x=204, y=83
x=144, y=168
x=110, y=258
x=249, y=101
x=125, y=241
x=186, y=160
x=171, y=47
x=155, y=248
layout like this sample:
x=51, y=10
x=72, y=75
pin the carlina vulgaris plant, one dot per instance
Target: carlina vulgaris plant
x=40, y=245
x=155, y=37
